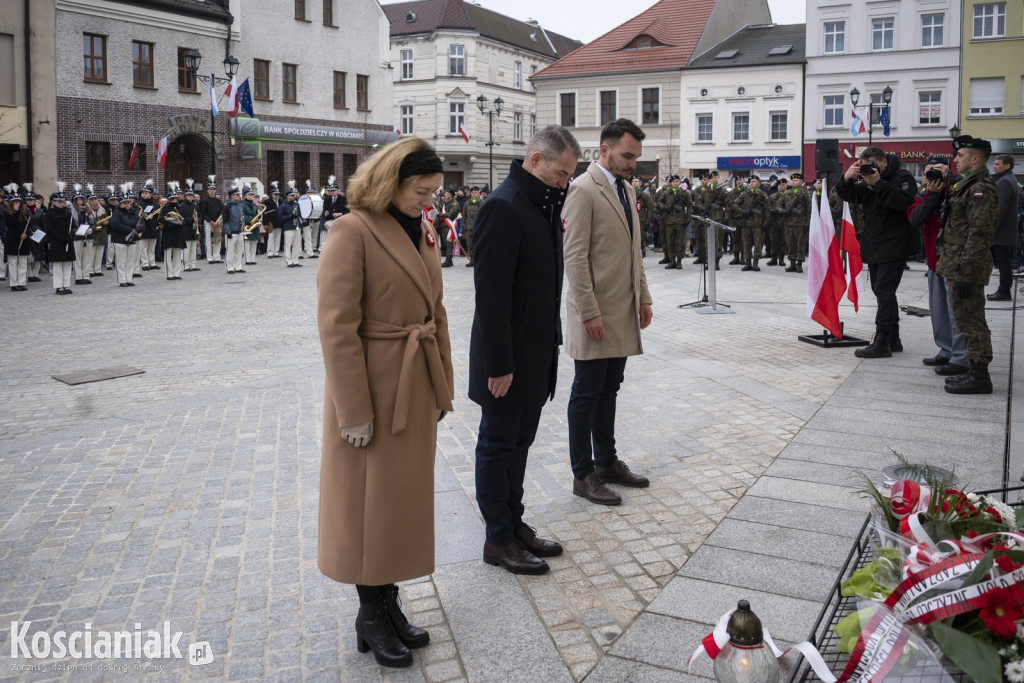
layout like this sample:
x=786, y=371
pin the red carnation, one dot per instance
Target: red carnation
x=1007, y=564
x=1000, y=612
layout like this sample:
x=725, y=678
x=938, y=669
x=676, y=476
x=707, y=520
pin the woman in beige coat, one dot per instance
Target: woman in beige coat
x=389, y=381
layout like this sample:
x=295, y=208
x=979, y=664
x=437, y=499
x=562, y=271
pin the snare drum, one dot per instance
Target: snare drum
x=311, y=206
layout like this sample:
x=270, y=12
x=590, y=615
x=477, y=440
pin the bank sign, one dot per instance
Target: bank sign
x=767, y=162
x=254, y=129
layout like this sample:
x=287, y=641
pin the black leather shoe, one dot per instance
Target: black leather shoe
x=951, y=369
x=411, y=636
x=593, y=489
x=935, y=360
x=375, y=632
x=664, y=260
x=998, y=295
x=515, y=558
x=540, y=547
x=619, y=473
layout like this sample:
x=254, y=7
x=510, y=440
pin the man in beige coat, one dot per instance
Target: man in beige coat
x=606, y=307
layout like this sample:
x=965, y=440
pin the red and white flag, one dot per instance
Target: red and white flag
x=231, y=93
x=429, y=214
x=848, y=243
x=825, y=280
x=464, y=131
x=398, y=131
x=161, y=151
x=131, y=159
x=452, y=235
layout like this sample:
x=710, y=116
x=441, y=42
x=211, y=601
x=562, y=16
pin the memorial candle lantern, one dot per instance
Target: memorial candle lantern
x=745, y=658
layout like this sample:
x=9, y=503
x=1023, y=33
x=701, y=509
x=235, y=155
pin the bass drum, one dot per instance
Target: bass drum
x=311, y=206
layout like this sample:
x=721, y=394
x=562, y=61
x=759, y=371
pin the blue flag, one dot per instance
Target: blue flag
x=884, y=120
x=245, y=99
x=213, y=97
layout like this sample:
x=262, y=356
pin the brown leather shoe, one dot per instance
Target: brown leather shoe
x=540, y=547
x=619, y=474
x=514, y=557
x=593, y=490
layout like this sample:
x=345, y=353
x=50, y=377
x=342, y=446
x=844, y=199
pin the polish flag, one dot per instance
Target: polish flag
x=398, y=131
x=131, y=159
x=161, y=151
x=825, y=280
x=231, y=93
x=464, y=131
x=849, y=244
x=452, y=234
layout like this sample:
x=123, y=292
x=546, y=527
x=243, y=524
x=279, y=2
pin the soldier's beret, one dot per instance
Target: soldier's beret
x=972, y=143
x=702, y=176
x=797, y=176
x=714, y=174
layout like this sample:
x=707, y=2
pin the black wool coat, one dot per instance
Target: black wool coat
x=887, y=235
x=59, y=226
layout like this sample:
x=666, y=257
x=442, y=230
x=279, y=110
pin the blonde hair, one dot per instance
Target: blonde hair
x=376, y=181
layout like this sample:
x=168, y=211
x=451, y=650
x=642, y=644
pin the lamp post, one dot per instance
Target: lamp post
x=954, y=130
x=192, y=59
x=886, y=99
x=481, y=102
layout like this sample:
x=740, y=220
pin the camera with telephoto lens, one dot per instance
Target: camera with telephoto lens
x=933, y=174
x=868, y=168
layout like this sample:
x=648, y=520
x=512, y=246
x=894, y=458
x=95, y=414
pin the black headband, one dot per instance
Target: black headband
x=424, y=162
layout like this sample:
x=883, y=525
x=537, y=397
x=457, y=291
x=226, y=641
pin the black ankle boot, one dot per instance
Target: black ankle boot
x=878, y=348
x=773, y=262
x=799, y=266
x=375, y=632
x=717, y=266
x=895, y=343
x=976, y=381
x=411, y=636
x=664, y=260
x=791, y=268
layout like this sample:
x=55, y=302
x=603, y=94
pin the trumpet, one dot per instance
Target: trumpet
x=255, y=221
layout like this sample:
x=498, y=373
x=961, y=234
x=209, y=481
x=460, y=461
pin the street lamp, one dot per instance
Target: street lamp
x=886, y=99
x=954, y=130
x=481, y=102
x=192, y=59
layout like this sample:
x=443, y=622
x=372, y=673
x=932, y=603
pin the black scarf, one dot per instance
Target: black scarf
x=413, y=225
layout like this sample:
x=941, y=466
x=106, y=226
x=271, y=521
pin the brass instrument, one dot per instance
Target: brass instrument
x=155, y=212
x=104, y=220
x=174, y=218
x=256, y=220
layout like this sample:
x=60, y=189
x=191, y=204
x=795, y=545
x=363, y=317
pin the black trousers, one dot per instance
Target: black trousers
x=885, y=280
x=1002, y=255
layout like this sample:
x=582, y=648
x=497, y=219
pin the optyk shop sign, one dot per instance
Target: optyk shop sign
x=766, y=162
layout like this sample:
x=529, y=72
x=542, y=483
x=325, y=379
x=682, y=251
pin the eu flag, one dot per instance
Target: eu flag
x=884, y=120
x=245, y=99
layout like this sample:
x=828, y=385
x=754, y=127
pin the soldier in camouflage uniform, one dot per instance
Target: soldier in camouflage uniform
x=718, y=210
x=448, y=208
x=645, y=209
x=469, y=211
x=737, y=245
x=965, y=259
x=676, y=207
x=776, y=227
x=796, y=216
x=701, y=198
x=750, y=211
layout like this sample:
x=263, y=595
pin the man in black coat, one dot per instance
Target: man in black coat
x=517, y=329
x=885, y=191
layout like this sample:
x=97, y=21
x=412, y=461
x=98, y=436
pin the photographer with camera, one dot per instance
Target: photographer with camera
x=927, y=214
x=885, y=191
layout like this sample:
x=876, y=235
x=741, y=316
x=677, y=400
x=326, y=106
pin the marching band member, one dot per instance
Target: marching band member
x=150, y=207
x=211, y=209
x=92, y=265
x=123, y=233
x=250, y=232
x=172, y=223
x=135, y=246
x=59, y=224
x=307, y=230
x=232, y=226
x=289, y=212
x=272, y=221
x=190, y=223
x=335, y=206
x=82, y=243
x=35, y=222
x=110, y=206
x=16, y=241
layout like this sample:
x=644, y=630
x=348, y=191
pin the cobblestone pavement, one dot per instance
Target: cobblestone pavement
x=189, y=493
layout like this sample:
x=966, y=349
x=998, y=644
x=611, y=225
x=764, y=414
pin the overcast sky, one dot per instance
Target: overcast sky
x=587, y=19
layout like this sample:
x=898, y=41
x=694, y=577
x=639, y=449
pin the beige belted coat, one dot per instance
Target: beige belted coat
x=387, y=356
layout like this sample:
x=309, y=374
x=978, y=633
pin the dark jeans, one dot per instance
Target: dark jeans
x=885, y=280
x=592, y=414
x=1002, y=254
x=501, y=450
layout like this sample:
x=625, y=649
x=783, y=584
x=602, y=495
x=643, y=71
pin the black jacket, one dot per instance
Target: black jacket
x=59, y=226
x=210, y=208
x=288, y=213
x=517, y=326
x=888, y=234
x=16, y=243
x=122, y=224
x=273, y=214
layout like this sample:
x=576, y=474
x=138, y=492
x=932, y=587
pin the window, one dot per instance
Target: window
x=289, y=89
x=931, y=30
x=651, y=104
x=567, y=107
x=329, y=17
x=339, y=89
x=456, y=117
x=606, y=98
x=517, y=125
x=931, y=108
x=990, y=20
x=456, y=60
x=741, y=127
x=142, y=64
x=644, y=41
x=533, y=72
x=835, y=117
x=300, y=9
x=882, y=33
x=94, y=50
x=517, y=75
x=326, y=167
x=986, y=97
x=406, y=117
x=97, y=156
x=261, y=79
x=406, y=60
x=140, y=155
x=301, y=160
x=186, y=79
x=705, y=128
x=779, y=126
x=533, y=125
x=363, y=93
x=275, y=167
x=835, y=37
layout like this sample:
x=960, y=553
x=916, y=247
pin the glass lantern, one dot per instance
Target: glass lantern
x=745, y=658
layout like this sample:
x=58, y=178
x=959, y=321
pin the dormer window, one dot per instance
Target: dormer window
x=644, y=41
x=410, y=17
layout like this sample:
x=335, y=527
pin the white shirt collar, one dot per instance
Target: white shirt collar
x=607, y=174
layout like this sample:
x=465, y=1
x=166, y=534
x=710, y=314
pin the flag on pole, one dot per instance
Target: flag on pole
x=398, y=131
x=161, y=151
x=231, y=94
x=849, y=244
x=825, y=282
x=464, y=131
x=245, y=99
x=857, y=126
x=884, y=120
x=213, y=97
x=131, y=159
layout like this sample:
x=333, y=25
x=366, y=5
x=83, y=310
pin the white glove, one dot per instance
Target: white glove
x=359, y=435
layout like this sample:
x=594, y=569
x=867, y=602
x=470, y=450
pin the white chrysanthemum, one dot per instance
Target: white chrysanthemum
x=973, y=497
x=1014, y=671
x=1004, y=510
x=1020, y=631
